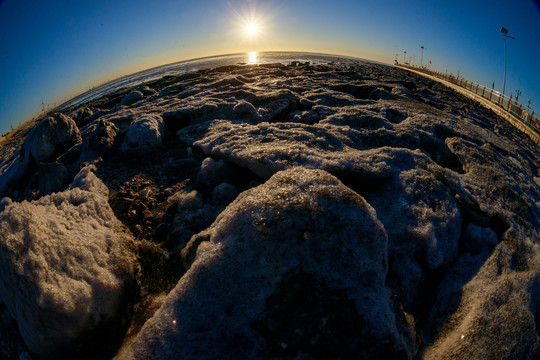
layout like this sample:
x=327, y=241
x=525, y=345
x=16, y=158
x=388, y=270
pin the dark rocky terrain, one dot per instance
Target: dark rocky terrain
x=342, y=211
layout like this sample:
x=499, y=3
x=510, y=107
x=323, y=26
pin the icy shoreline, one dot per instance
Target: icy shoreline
x=347, y=209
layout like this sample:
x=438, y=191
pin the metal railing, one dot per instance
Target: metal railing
x=527, y=116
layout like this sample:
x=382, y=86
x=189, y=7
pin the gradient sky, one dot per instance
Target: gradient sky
x=54, y=50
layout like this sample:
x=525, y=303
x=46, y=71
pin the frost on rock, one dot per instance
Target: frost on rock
x=267, y=148
x=87, y=180
x=213, y=172
x=491, y=313
x=44, y=143
x=132, y=98
x=423, y=222
x=294, y=266
x=144, y=133
x=64, y=267
x=50, y=138
x=99, y=140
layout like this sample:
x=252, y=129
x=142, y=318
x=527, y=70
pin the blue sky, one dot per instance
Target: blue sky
x=54, y=50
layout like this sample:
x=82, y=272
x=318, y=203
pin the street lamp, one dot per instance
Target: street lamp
x=505, y=35
x=422, y=57
x=404, y=60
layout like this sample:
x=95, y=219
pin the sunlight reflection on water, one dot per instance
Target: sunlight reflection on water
x=252, y=58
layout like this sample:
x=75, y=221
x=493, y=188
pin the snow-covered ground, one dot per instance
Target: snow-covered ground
x=309, y=210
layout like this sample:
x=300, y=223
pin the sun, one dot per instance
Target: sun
x=252, y=29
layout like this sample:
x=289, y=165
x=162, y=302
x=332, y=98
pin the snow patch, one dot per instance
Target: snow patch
x=64, y=265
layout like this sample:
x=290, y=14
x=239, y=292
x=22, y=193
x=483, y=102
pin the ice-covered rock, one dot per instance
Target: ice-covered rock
x=99, y=140
x=144, y=133
x=267, y=148
x=188, y=200
x=81, y=115
x=449, y=180
x=224, y=193
x=245, y=108
x=315, y=256
x=213, y=172
x=132, y=98
x=50, y=138
x=87, y=180
x=490, y=313
x=64, y=267
x=11, y=172
x=423, y=222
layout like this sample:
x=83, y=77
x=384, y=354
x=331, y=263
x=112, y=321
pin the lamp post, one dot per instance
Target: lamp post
x=404, y=60
x=422, y=56
x=505, y=35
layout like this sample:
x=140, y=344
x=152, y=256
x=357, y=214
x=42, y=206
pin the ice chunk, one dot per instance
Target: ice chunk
x=64, y=267
x=224, y=193
x=244, y=107
x=496, y=316
x=144, y=133
x=213, y=172
x=132, y=98
x=50, y=138
x=87, y=180
x=302, y=232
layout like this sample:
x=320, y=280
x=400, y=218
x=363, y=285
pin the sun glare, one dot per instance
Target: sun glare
x=252, y=29
x=250, y=25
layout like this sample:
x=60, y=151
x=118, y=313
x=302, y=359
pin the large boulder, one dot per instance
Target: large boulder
x=50, y=138
x=294, y=267
x=65, y=265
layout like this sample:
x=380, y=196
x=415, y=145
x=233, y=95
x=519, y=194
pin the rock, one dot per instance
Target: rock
x=245, y=108
x=145, y=133
x=478, y=239
x=485, y=311
x=81, y=115
x=5, y=202
x=50, y=138
x=11, y=172
x=188, y=200
x=132, y=98
x=423, y=222
x=100, y=139
x=213, y=172
x=75, y=270
x=224, y=193
x=53, y=177
x=87, y=180
x=304, y=237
